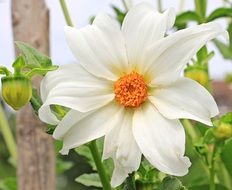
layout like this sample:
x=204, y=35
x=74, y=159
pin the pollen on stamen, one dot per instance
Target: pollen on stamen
x=130, y=90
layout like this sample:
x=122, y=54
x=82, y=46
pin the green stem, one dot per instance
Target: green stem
x=212, y=170
x=200, y=7
x=92, y=145
x=159, y=5
x=66, y=13
x=99, y=165
x=190, y=130
x=7, y=135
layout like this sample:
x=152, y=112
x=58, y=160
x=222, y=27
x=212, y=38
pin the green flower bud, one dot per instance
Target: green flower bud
x=198, y=74
x=223, y=131
x=16, y=91
x=223, y=127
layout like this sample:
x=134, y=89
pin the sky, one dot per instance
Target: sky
x=81, y=11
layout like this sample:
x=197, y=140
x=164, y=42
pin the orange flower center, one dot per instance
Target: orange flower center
x=130, y=90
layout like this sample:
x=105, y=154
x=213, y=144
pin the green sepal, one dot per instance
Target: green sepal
x=18, y=65
x=40, y=71
x=32, y=57
x=4, y=71
x=201, y=54
x=201, y=148
x=185, y=17
x=220, y=13
x=120, y=15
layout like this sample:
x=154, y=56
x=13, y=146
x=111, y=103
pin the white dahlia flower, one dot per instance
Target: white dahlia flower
x=128, y=88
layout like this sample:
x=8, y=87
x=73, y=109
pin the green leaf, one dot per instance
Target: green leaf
x=223, y=48
x=171, y=183
x=129, y=184
x=62, y=165
x=32, y=57
x=227, y=118
x=220, y=13
x=206, y=187
x=84, y=151
x=185, y=17
x=8, y=184
x=89, y=180
x=226, y=155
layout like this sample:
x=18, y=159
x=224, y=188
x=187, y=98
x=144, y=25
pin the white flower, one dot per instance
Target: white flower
x=128, y=88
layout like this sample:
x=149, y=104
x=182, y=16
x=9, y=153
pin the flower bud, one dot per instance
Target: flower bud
x=199, y=75
x=223, y=127
x=16, y=91
x=223, y=131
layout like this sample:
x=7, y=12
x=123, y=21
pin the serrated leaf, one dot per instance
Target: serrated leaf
x=185, y=17
x=226, y=155
x=32, y=57
x=171, y=183
x=220, y=13
x=89, y=180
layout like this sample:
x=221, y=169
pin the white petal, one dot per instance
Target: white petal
x=185, y=99
x=165, y=60
x=73, y=87
x=78, y=128
x=121, y=146
x=143, y=26
x=119, y=175
x=162, y=141
x=100, y=47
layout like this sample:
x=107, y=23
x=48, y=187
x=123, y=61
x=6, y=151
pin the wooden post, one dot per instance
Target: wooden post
x=36, y=159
